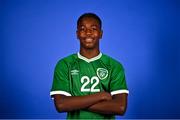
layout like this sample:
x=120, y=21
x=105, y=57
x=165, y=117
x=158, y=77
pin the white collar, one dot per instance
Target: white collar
x=91, y=59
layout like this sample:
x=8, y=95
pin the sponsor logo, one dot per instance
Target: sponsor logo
x=74, y=72
x=102, y=73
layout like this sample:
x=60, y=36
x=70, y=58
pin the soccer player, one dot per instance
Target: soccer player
x=89, y=84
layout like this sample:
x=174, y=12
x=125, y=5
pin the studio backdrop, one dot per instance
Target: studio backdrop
x=141, y=34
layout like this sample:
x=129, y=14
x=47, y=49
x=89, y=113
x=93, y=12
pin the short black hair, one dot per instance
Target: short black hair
x=92, y=15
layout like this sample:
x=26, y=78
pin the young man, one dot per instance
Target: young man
x=89, y=84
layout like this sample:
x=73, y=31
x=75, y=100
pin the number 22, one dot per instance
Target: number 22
x=85, y=80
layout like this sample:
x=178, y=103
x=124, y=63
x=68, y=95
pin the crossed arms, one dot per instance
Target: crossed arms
x=101, y=102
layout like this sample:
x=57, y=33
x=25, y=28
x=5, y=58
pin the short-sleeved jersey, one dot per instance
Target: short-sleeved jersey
x=76, y=75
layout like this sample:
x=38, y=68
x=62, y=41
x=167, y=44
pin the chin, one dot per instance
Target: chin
x=89, y=47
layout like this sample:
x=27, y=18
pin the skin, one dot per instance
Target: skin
x=89, y=34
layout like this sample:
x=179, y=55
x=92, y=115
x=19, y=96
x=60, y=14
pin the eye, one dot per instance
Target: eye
x=82, y=28
x=94, y=28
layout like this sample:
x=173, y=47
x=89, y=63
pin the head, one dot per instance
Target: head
x=89, y=31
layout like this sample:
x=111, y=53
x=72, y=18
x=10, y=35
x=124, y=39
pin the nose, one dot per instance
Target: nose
x=88, y=32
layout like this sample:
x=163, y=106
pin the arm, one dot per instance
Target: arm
x=71, y=103
x=115, y=106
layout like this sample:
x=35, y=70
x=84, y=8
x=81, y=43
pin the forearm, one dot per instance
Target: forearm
x=116, y=106
x=106, y=107
x=71, y=103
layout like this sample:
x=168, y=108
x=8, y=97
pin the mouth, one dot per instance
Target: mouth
x=88, y=40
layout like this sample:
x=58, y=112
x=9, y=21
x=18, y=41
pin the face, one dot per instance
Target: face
x=89, y=33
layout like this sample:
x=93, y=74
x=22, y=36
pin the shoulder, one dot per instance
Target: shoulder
x=113, y=63
x=67, y=60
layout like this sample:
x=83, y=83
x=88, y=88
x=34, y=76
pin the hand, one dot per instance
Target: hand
x=105, y=96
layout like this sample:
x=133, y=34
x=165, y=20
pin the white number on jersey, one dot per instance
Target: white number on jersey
x=85, y=80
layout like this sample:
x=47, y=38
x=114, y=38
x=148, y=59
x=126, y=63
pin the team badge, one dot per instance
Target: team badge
x=102, y=73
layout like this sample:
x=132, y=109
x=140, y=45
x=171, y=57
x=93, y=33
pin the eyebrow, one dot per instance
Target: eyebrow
x=91, y=25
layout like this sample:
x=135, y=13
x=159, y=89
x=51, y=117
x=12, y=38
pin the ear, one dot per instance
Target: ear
x=77, y=34
x=101, y=34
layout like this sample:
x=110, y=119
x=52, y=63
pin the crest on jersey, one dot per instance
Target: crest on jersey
x=102, y=73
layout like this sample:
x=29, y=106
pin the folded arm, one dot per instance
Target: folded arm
x=116, y=106
x=71, y=103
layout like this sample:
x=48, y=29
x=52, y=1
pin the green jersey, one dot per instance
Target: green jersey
x=76, y=75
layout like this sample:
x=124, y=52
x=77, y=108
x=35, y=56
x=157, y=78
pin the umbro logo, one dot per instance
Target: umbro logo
x=74, y=72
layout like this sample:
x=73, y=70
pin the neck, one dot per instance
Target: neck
x=89, y=53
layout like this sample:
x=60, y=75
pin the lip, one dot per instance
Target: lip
x=88, y=39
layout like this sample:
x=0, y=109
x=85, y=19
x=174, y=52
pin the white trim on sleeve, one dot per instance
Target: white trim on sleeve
x=119, y=92
x=60, y=92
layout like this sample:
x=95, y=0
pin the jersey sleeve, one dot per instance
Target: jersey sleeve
x=118, y=82
x=60, y=80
